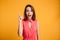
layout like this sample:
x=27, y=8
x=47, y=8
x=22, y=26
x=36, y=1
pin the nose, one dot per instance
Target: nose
x=28, y=12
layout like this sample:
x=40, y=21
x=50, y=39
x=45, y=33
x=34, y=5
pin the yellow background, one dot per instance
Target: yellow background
x=47, y=12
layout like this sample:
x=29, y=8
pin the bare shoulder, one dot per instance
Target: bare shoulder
x=37, y=21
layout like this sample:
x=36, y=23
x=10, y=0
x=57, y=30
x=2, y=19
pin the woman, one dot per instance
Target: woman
x=28, y=27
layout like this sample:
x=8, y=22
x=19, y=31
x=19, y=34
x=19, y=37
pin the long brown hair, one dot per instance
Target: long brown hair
x=25, y=16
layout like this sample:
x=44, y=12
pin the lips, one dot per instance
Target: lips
x=29, y=15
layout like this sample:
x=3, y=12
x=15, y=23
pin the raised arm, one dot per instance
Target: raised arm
x=20, y=26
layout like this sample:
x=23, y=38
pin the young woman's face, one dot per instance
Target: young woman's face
x=29, y=12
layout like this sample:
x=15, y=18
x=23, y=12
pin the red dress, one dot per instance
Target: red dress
x=29, y=33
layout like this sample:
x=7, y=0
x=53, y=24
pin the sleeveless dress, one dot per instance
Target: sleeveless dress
x=29, y=33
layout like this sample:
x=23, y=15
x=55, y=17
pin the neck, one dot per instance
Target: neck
x=29, y=19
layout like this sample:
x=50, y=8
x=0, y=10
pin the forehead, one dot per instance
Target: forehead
x=28, y=8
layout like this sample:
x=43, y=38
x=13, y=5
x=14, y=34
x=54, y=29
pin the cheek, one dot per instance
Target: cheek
x=26, y=13
x=31, y=13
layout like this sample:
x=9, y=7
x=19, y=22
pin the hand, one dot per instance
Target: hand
x=20, y=18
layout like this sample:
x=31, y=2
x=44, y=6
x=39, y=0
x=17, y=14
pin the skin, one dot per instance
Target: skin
x=29, y=14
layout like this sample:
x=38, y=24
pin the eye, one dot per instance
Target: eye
x=27, y=10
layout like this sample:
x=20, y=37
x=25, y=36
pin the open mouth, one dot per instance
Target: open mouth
x=29, y=15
